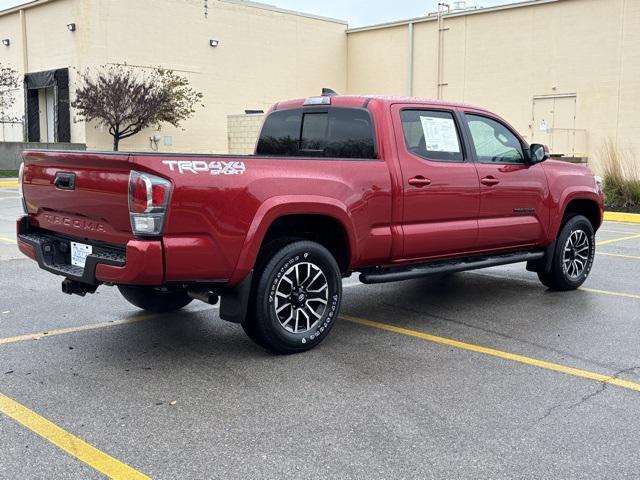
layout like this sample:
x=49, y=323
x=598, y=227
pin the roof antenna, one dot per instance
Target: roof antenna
x=327, y=92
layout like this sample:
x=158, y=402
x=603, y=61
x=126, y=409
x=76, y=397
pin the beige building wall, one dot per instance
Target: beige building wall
x=243, y=131
x=585, y=52
x=264, y=55
x=530, y=62
x=12, y=56
x=40, y=41
x=378, y=61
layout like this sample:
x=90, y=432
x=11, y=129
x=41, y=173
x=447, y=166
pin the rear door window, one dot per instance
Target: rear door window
x=432, y=134
x=330, y=133
x=350, y=134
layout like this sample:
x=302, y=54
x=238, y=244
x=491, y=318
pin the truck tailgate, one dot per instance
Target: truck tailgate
x=90, y=199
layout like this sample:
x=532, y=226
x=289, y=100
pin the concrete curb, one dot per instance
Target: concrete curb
x=9, y=182
x=622, y=217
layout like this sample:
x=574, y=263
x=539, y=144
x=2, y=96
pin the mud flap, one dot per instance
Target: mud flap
x=235, y=300
x=544, y=264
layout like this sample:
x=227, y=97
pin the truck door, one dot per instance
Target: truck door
x=514, y=211
x=440, y=186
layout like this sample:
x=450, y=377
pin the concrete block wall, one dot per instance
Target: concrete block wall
x=11, y=152
x=243, y=131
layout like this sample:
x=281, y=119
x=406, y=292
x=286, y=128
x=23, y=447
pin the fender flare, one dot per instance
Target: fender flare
x=284, y=205
x=568, y=195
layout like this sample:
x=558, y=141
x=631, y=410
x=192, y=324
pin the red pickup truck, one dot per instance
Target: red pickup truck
x=393, y=188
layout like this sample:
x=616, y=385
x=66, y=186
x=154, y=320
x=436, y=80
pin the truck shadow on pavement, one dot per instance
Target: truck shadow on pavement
x=466, y=306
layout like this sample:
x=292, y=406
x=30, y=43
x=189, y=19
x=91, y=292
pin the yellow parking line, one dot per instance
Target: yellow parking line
x=584, y=289
x=618, y=255
x=613, y=294
x=614, y=240
x=64, y=440
x=93, y=326
x=8, y=240
x=556, y=367
x=608, y=230
x=8, y=183
x=624, y=224
x=80, y=328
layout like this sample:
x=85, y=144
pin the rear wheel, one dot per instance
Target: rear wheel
x=296, y=299
x=155, y=299
x=573, y=256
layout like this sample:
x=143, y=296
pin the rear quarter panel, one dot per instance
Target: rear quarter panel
x=216, y=223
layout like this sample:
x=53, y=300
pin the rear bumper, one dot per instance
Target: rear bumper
x=140, y=262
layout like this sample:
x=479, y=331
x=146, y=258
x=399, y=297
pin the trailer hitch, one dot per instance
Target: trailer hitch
x=71, y=287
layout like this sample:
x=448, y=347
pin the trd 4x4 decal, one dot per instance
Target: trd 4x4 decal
x=198, y=166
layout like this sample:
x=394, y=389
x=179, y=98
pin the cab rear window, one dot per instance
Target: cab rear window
x=329, y=133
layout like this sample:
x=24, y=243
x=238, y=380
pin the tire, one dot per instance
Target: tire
x=573, y=256
x=249, y=327
x=296, y=300
x=153, y=299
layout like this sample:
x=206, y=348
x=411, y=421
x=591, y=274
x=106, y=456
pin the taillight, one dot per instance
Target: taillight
x=20, y=188
x=148, y=200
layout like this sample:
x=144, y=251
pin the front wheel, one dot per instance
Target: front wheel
x=573, y=256
x=155, y=299
x=296, y=299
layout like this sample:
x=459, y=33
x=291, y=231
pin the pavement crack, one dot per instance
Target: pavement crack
x=563, y=353
x=603, y=387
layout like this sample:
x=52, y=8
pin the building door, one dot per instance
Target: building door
x=49, y=95
x=47, y=115
x=47, y=106
x=554, y=121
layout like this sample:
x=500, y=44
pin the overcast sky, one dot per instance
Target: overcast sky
x=367, y=12
x=356, y=12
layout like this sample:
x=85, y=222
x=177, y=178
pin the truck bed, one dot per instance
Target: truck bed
x=216, y=207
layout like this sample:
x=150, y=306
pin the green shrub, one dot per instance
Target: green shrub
x=621, y=176
x=8, y=173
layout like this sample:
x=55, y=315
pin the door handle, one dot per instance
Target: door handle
x=489, y=181
x=419, y=181
x=65, y=181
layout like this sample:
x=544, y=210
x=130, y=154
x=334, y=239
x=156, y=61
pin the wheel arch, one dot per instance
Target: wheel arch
x=323, y=229
x=578, y=202
x=585, y=207
x=320, y=219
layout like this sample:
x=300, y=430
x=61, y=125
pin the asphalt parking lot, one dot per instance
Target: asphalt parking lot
x=476, y=375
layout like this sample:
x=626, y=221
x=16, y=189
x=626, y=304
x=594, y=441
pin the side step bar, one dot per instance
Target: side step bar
x=394, y=274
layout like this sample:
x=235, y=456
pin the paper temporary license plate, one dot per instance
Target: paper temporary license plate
x=79, y=253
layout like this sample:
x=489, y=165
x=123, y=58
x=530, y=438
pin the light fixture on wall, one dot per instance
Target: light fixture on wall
x=214, y=43
x=6, y=42
x=71, y=27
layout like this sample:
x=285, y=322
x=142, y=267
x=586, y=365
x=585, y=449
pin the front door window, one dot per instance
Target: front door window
x=494, y=143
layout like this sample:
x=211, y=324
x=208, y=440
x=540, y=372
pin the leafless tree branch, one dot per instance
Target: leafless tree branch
x=127, y=100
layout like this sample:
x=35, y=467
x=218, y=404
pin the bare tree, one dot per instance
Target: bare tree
x=127, y=100
x=9, y=81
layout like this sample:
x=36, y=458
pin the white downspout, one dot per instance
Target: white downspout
x=25, y=68
x=441, y=30
x=410, y=62
x=23, y=34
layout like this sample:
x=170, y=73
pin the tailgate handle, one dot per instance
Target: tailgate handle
x=65, y=181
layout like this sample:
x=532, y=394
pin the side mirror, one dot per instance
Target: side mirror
x=539, y=153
